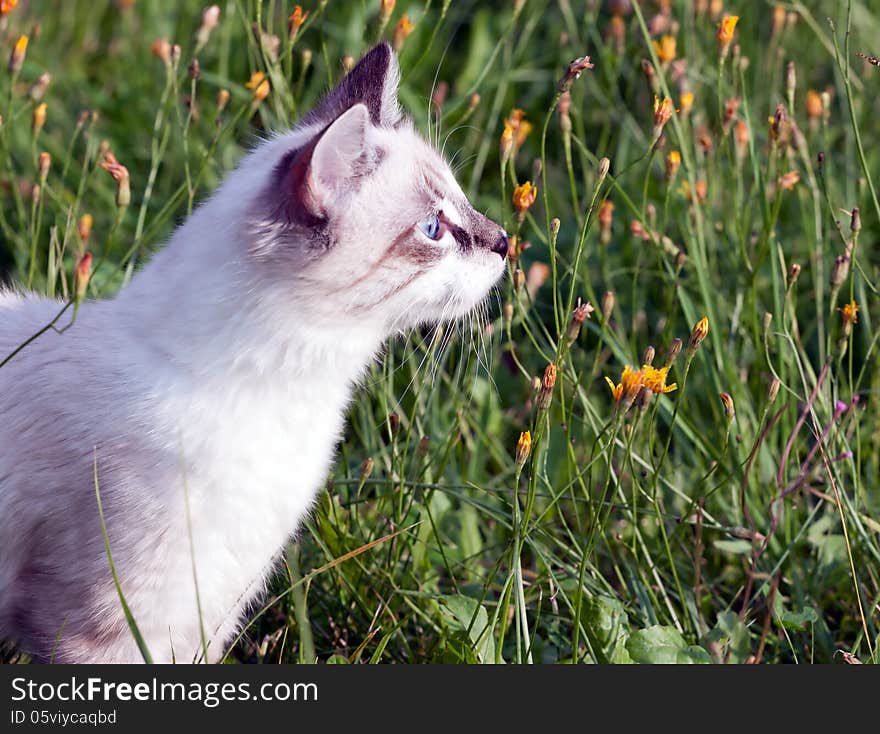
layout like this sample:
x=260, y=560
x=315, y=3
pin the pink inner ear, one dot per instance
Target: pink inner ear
x=338, y=151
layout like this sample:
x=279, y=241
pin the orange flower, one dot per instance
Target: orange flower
x=523, y=197
x=161, y=49
x=85, y=226
x=506, y=141
x=850, y=313
x=295, y=21
x=38, y=118
x=662, y=114
x=256, y=79
x=403, y=28
x=725, y=32
x=665, y=49
x=788, y=180
x=814, y=105
x=7, y=6
x=523, y=448
x=654, y=379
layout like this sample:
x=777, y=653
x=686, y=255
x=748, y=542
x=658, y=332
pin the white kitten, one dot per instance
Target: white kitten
x=221, y=376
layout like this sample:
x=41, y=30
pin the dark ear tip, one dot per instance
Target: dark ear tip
x=379, y=56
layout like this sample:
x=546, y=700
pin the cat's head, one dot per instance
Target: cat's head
x=366, y=216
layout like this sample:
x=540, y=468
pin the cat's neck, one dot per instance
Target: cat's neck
x=200, y=305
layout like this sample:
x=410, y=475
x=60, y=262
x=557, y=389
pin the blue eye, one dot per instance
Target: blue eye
x=430, y=227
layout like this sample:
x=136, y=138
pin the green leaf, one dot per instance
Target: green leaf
x=607, y=626
x=799, y=620
x=659, y=644
x=469, y=617
x=739, y=547
x=728, y=640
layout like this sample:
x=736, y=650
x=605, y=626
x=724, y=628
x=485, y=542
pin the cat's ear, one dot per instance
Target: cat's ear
x=339, y=153
x=372, y=82
x=313, y=178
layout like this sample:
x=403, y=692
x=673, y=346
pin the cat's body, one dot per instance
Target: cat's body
x=210, y=393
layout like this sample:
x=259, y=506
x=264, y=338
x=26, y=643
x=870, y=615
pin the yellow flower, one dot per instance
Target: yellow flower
x=38, y=118
x=850, y=313
x=16, y=58
x=85, y=226
x=725, y=30
x=673, y=162
x=523, y=447
x=262, y=91
x=686, y=102
x=506, y=141
x=523, y=197
x=627, y=389
x=655, y=379
x=256, y=79
x=665, y=49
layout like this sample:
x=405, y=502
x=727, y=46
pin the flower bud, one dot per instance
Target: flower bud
x=607, y=305
x=38, y=119
x=19, y=51
x=519, y=278
x=38, y=88
x=523, y=448
x=727, y=402
x=81, y=277
x=545, y=394
x=44, y=162
x=367, y=469
x=648, y=355
x=855, y=222
x=793, y=274
x=84, y=226
x=698, y=334
x=772, y=390
x=673, y=352
x=839, y=271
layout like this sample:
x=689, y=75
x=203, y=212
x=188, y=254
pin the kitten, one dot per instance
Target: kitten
x=218, y=380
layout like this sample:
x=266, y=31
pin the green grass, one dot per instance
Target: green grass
x=666, y=532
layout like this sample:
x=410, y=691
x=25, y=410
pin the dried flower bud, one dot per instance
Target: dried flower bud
x=175, y=55
x=545, y=394
x=19, y=51
x=575, y=69
x=839, y=271
x=790, y=80
x=564, y=108
x=772, y=390
x=605, y=218
x=424, y=445
x=602, y=171
x=673, y=352
x=84, y=226
x=554, y=226
x=507, y=313
x=81, y=277
x=393, y=424
x=648, y=355
x=195, y=71
x=580, y=314
x=38, y=88
x=698, y=334
x=473, y=102
x=36, y=193
x=519, y=279
x=120, y=175
x=161, y=49
x=607, y=305
x=727, y=402
x=523, y=448
x=855, y=222
x=367, y=469
x=768, y=319
x=662, y=114
x=793, y=274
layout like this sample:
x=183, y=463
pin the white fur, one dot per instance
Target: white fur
x=219, y=378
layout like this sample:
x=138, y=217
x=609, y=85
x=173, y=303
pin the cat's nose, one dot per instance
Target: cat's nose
x=501, y=244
